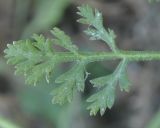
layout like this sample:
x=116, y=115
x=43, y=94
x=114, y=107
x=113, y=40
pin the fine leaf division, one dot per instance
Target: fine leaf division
x=37, y=58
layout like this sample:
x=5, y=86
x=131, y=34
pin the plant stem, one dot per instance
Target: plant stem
x=102, y=56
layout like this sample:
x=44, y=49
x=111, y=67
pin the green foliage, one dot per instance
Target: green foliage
x=37, y=58
x=63, y=40
x=70, y=80
x=106, y=97
x=96, y=29
x=32, y=58
x=76, y=74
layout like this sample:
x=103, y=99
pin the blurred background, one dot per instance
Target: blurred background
x=137, y=26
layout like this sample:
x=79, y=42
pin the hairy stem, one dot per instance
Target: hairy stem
x=102, y=56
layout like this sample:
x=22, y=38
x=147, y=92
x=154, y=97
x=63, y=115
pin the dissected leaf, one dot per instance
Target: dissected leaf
x=102, y=100
x=64, y=93
x=121, y=73
x=69, y=81
x=101, y=81
x=75, y=74
x=90, y=17
x=106, y=97
x=63, y=40
x=35, y=59
x=40, y=39
x=93, y=33
x=86, y=12
x=96, y=30
x=124, y=82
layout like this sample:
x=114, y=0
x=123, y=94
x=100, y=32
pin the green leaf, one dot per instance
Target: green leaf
x=96, y=30
x=33, y=58
x=63, y=40
x=105, y=98
x=124, y=82
x=102, y=100
x=121, y=73
x=42, y=44
x=93, y=33
x=74, y=79
x=101, y=81
x=75, y=75
x=64, y=93
x=87, y=14
x=90, y=17
x=36, y=58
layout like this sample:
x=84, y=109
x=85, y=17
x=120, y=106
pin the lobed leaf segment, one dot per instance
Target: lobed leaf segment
x=37, y=58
